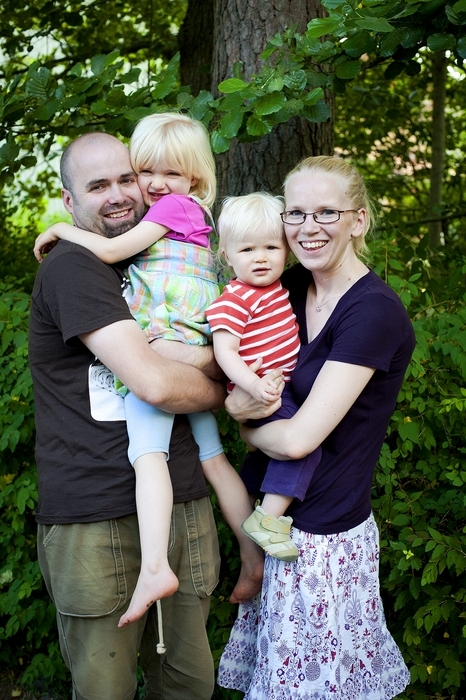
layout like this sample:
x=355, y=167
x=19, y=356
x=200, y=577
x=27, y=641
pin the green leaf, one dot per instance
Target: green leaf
x=101, y=61
x=46, y=112
x=77, y=70
x=270, y=103
x=232, y=85
x=200, y=105
x=163, y=88
x=295, y=80
x=138, y=113
x=460, y=6
x=230, y=124
x=393, y=70
x=322, y=26
x=348, y=70
x=276, y=83
x=132, y=76
x=461, y=46
x=220, y=144
x=441, y=42
x=375, y=24
x=294, y=107
x=257, y=127
x=359, y=44
x=238, y=69
x=400, y=519
x=38, y=83
x=184, y=100
x=410, y=431
x=317, y=113
x=411, y=36
x=313, y=97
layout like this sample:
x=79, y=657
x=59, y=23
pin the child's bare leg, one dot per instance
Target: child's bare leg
x=236, y=507
x=154, y=500
x=275, y=504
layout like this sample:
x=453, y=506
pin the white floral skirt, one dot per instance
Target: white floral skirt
x=317, y=631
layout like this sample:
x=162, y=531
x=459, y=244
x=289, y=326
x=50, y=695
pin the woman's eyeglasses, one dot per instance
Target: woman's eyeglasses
x=323, y=216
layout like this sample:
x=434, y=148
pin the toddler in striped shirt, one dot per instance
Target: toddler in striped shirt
x=253, y=319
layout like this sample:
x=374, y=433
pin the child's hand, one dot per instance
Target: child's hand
x=266, y=390
x=44, y=243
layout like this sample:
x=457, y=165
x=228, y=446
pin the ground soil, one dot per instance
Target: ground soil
x=9, y=690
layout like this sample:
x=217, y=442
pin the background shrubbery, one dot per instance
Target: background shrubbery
x=382, y=69
x=419, y=492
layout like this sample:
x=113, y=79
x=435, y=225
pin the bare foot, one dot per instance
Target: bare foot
x=149, y=588
x=250, y=579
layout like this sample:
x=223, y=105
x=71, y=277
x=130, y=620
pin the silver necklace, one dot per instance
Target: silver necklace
x=319, y=306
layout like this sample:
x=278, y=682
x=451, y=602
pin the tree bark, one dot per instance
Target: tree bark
x=439, y=78
x=195, y=42
x=215, y=35
x=241, y=31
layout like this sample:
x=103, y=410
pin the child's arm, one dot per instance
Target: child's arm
x=109, y=250
x=226, y=346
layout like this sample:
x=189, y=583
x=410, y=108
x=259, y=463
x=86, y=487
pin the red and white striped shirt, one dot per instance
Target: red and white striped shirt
x=264, y=321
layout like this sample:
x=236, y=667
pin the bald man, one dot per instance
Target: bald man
x=81, y=334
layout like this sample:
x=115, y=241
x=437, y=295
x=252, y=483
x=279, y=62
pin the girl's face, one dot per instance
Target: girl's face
x=258, y=259
x=322, y=247
x=160, y=180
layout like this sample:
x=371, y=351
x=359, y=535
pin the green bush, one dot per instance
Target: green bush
x=28, y=639
x=419, y=493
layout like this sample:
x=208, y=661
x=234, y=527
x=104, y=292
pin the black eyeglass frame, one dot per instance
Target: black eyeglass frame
x=314, y=214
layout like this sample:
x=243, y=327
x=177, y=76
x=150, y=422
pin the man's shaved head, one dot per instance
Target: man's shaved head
x=92, y=139
x=100, y=188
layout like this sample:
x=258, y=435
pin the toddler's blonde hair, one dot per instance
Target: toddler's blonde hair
x=243, y=216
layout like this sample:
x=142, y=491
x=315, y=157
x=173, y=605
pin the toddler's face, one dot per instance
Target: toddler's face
x=257, y=259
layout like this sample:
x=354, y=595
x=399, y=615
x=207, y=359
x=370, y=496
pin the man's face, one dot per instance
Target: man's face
x=105, y=197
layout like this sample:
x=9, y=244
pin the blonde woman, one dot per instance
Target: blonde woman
x=319, y=629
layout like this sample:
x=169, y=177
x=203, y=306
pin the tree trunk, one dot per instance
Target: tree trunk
x=439, y=78
x=226, y=31
x=242, y=29
x=195, y=42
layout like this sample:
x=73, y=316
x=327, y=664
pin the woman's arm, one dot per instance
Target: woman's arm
x=226, y=349
x=109, y=250
x=335, y=390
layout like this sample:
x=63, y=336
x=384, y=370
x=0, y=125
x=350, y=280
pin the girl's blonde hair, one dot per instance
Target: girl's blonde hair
x=183, y=143
x=243, y=216
x=356, y=190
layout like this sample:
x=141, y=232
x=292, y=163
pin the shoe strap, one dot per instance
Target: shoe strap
x=269, y=522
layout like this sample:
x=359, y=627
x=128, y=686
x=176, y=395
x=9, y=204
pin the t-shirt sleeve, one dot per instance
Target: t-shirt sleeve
x=81, y=294
x=176, y=213
x=228, y=312
x=370, y=332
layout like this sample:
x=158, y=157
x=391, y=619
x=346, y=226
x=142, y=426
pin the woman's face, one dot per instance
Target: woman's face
x=322, y=247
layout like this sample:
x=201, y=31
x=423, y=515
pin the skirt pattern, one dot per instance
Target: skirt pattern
x=317, y=631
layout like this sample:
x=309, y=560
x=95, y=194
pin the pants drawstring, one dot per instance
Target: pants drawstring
x=161, y=649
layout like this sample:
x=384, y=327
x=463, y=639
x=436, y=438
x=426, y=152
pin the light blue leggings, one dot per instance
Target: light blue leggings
x=150, y=429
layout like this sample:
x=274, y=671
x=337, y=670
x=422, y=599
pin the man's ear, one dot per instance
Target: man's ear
x=67, y=199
